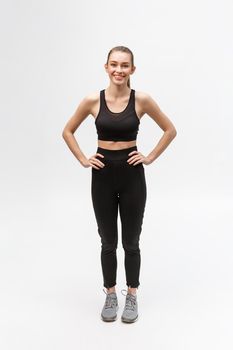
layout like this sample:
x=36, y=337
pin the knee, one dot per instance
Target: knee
x=131, y=247
x=109, y=247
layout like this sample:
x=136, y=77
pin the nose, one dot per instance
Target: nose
x=118, y=70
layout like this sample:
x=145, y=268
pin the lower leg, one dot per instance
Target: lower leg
x=109, y=265
x=111, y=290
x=132, y=290
x=132, y=268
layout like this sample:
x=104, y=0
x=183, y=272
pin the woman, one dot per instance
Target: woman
x=118, y=177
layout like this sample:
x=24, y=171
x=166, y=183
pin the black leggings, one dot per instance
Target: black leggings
x=123, y=184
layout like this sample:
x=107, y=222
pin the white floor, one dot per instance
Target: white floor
x=51, y=289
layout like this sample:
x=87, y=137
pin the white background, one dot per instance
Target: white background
x=52, y=55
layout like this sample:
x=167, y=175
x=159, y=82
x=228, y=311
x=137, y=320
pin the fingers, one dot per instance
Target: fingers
x=136, y=158
x=99, y=154
x=132, y=153
x=96, y=163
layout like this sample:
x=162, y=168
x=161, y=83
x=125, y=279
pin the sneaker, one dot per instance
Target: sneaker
x=130, y=312
x=110, y=308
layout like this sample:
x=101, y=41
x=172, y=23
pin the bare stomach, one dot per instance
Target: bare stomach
x=116, y=145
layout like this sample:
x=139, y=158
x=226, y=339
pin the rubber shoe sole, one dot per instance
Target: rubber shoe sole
x=126, y=320
x=110, y=319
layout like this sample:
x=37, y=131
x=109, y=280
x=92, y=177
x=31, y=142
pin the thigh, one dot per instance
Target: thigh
x=132, y=201
x=105, y=203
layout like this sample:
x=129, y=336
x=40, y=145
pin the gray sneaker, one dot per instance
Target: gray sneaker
x=130, y=312
x=110, y=308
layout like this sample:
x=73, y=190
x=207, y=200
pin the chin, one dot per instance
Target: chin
x=118, y=82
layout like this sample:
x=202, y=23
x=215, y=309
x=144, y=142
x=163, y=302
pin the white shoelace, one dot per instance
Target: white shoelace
x=110, y=301
x=131, y=301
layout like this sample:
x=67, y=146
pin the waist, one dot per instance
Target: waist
x=116, y=145
x=119, y=154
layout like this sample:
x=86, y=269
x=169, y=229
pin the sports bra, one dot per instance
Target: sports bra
x=122, y=126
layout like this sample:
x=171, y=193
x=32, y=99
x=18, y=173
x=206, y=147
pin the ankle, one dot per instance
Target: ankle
x=132, y=290
x=111, y=290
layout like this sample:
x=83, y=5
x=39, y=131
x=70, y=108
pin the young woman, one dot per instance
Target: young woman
x=118, y=177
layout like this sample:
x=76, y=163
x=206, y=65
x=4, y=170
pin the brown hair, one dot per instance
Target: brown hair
x=122, y=49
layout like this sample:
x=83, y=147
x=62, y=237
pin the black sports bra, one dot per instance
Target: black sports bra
x=113, y=126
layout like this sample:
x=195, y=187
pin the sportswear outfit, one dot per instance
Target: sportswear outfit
x=118, y=186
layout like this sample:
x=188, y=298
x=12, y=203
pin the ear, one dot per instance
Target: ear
x=133, y=70
x=106, y=66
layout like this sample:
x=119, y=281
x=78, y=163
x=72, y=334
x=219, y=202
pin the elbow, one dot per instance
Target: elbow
x=172, y=132
x=65, y=133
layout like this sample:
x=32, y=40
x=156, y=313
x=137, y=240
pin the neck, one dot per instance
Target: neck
x=118, y=90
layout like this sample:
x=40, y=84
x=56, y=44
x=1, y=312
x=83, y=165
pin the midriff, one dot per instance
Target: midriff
x=116, y=145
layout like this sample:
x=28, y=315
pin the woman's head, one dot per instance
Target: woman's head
x=120, y=64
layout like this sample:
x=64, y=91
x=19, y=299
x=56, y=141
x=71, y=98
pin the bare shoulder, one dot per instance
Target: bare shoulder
x=89, y=100
x=147, y=103
x=142, y=100
x=149, y=106
x=141, y=94
x=93, y=102
x=142, y=97
x=92, y=97
x=84, y=108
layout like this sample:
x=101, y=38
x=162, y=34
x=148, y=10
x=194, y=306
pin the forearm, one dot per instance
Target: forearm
x=74, y=146
x=165, y=140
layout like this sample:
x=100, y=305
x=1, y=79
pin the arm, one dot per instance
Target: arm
x=151, y=108
x=82, y=111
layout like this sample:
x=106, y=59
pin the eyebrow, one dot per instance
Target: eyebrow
x=116, y=61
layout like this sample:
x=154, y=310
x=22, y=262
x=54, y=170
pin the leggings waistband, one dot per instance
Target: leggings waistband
x=119, y=154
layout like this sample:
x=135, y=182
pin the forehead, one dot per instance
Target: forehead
x=122, y=57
